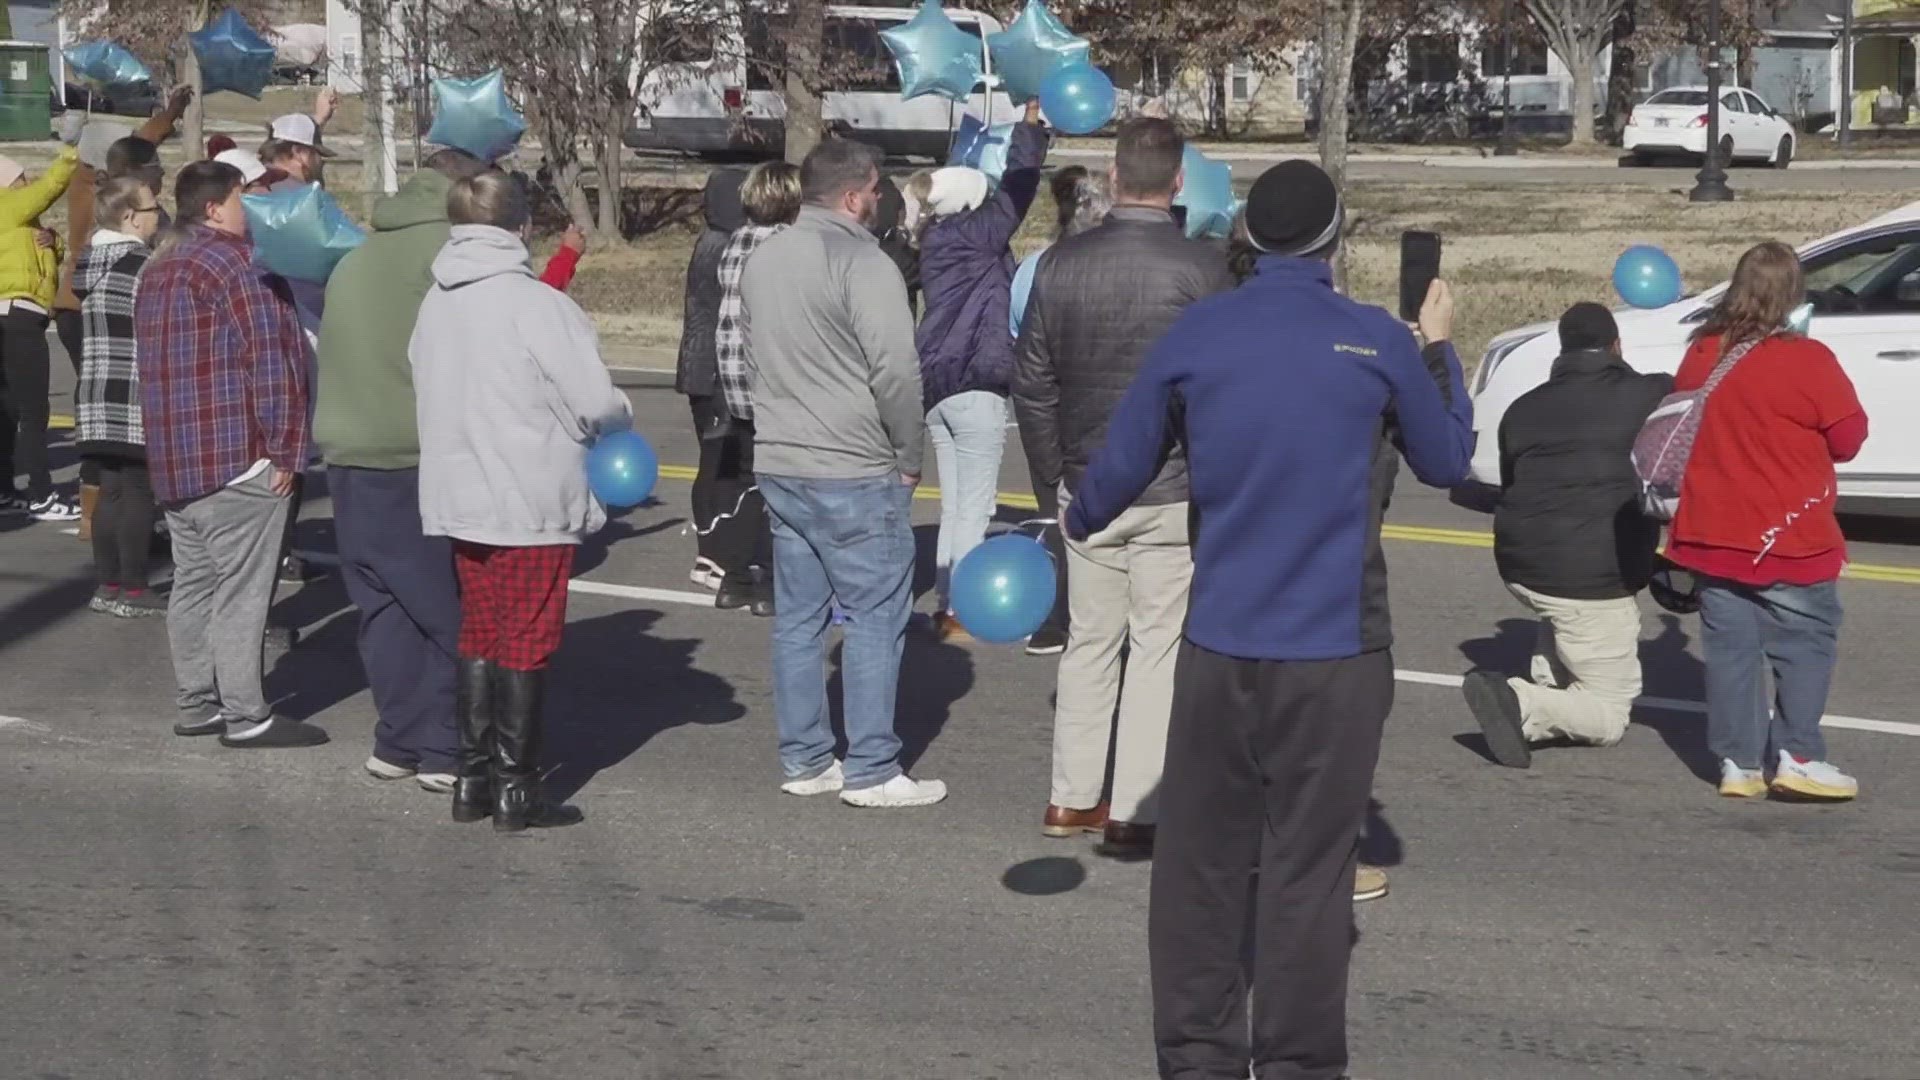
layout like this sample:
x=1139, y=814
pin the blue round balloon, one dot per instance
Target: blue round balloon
x=622, y=469
x=1004, y=589
x=1647, y=277
x=1078, y=99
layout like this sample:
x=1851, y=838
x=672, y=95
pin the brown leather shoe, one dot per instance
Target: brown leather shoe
x=1125, y=841
x=1062, y=822
x=947, y=629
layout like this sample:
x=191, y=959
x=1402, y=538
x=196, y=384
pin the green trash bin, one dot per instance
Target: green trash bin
x=26, y=89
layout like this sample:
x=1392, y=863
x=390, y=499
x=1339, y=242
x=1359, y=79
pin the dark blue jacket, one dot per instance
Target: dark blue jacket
x=966, y=272
x=1292, y=398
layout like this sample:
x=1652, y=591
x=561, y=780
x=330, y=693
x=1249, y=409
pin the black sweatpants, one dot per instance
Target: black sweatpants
x=67, y=324
x=729, y=515
x=1048, y=498
x=123, y=523
x=26, y=359
x=1269, y=765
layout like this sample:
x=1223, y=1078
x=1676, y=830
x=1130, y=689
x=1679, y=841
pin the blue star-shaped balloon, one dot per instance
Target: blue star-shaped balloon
x=1035, y=46
x=934, y=56
x=107, y=64
x=232, y=56
x=978, y=146
x=1207, y=193
x=476, y=115
x=301, y=234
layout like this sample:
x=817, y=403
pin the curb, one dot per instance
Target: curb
x=641, y=378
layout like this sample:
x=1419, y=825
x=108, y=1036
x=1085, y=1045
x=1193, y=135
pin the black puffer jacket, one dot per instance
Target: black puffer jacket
x=1569, y=523
x=697, y=373
x=1099, y=302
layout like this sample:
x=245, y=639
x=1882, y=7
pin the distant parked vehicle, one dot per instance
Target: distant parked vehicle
x=139, y=99
x=1673, y=122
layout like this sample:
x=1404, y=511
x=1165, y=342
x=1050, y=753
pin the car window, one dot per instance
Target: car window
x=1876, y=276
x=1731, y=102
x=1755, y=105
x=1678, y=97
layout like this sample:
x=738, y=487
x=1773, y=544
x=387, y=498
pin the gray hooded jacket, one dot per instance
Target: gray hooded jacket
x=511, y=391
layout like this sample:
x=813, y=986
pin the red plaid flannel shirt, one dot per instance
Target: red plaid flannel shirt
x=223, y=367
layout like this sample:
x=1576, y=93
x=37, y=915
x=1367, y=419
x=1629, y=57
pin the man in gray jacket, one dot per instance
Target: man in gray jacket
x=1099, y=302
x=838, y=434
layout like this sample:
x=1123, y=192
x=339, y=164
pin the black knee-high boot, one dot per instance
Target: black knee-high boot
x=517, y=800
x=474, y=704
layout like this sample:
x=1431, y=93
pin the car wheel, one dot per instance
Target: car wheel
x=1783, y=156
x=1638, y=160
x=1726, y=151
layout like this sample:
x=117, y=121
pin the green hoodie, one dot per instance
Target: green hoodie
x=364, y=414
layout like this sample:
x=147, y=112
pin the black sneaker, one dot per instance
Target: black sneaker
x=293, y=570
x=1047, y=641
x=273, y=733
x=12, y=503
x=1497, y=707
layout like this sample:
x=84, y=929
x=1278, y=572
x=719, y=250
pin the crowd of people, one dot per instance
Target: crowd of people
x=1213, y=432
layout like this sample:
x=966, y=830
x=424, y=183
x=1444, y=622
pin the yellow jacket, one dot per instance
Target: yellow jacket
x=27, y=270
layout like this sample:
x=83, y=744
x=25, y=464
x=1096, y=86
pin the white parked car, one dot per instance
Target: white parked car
x=720, y=97
x=1863, y=285
x=1674, y=121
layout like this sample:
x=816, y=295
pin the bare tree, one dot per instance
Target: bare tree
x=155, y=31
x=1576, y=30
x=805, y=78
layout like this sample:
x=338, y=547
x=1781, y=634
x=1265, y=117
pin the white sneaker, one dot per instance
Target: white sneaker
x=1739, y=783
x=707, y=574
x=54, y=508
x=901, y=791
x=825, y=784
x=440, y=783
x=1812, y=780
x=387, y=770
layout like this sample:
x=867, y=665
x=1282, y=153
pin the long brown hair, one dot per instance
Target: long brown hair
x=1767, y=285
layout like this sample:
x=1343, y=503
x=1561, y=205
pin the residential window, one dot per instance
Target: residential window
x=1433, y=58
x=1239, y=84
x=1529, y=58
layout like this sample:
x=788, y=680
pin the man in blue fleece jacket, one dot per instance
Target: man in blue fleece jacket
x=1289, y=401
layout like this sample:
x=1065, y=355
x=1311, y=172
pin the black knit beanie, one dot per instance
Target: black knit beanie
x=1587, y=326
x=1294, y=209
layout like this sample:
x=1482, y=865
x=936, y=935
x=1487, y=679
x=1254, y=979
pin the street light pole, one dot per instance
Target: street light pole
x=1846, y=76
x=1711, y=184
x=1505, y=148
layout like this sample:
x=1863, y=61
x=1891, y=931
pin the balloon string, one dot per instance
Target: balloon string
x=726, y=515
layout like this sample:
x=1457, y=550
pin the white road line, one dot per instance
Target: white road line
x=15, y=721
x=1421, y=678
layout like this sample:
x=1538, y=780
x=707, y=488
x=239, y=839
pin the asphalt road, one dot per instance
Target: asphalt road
x=169, y=909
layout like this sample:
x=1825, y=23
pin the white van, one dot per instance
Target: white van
x=726, y=102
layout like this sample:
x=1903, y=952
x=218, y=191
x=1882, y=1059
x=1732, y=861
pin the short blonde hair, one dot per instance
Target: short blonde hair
x=491, y=198
x=116, y=200
x=771, y=193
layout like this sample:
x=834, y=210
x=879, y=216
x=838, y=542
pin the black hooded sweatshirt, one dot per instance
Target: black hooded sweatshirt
x=697, y=373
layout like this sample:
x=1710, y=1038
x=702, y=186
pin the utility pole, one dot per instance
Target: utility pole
x=1711, y=184
x=1846, y=76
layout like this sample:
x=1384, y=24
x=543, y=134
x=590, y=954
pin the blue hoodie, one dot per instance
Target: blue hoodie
x=1290, y=395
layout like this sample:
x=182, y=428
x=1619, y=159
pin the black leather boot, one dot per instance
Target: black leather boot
x=473, y=707
x=762, y=579
x=517, y=800
x=736, y=591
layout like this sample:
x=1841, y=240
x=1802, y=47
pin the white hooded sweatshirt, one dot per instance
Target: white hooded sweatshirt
x=511, y=393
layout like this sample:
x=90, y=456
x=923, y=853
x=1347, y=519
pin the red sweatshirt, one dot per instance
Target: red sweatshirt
x=1756, y=506
x=560, y=268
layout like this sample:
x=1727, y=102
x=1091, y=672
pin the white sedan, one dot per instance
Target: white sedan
x=1674, y=121
x=1863, y=285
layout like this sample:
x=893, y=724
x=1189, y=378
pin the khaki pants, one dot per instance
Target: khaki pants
x=1126, y=585
x=1586, y=669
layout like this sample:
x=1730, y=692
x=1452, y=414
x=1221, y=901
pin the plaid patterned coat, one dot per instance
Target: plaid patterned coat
x=730, y=336
x=107, y=397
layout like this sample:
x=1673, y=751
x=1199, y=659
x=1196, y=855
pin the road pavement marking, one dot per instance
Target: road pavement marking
x=1419, y=534
x=1421, y=678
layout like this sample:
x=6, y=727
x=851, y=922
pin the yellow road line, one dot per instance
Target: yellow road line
x=1419, y=534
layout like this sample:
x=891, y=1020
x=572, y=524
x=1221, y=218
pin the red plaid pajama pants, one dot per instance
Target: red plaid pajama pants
x=513, y=602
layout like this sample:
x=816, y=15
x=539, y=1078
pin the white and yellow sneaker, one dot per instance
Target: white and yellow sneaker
x=1818, y=780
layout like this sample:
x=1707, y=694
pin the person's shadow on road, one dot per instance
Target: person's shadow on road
x=613, y=687
x=1668, y=670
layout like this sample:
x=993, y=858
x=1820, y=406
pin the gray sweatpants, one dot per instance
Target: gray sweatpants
x=226, y=550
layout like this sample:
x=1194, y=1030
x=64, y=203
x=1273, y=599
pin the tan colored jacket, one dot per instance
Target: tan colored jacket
x=80, y=207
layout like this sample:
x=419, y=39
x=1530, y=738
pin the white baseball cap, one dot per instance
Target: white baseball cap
x=300, y=129
x=252, y=169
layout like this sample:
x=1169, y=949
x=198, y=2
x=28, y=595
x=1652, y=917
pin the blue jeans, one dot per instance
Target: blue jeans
x=845, y=542
x=969, y=435
x=1795, y=629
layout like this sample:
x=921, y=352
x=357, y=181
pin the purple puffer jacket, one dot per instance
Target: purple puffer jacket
x=966, y=270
